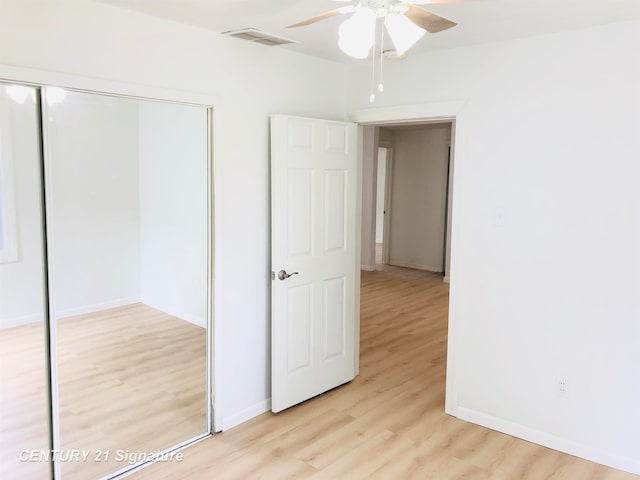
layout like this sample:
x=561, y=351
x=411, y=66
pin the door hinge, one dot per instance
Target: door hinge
x=273, y=275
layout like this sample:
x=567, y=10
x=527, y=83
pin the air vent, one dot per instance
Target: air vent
x=257, y=36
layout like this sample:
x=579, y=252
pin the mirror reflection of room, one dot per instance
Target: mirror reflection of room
x=126, y=184
x=24, y=419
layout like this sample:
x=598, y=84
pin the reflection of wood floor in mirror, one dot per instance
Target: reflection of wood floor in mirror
x=131, y=378
x=389, y=423
x=23, y=401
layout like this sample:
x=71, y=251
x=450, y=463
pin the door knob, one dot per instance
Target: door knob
x=283, y=275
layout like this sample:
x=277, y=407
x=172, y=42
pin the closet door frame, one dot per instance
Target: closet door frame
x=42, y=80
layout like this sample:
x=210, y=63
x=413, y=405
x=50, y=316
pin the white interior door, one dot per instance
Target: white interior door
x=314, y=179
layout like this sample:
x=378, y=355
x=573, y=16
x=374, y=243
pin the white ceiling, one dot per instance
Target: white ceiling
x=479, y=21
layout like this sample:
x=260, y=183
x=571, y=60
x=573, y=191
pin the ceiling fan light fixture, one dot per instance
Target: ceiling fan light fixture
x=356, y=35
x=403, y=32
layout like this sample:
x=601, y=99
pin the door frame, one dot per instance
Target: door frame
x=386, y=219
x=41, y=79
x=388, y=178
x=440, y=112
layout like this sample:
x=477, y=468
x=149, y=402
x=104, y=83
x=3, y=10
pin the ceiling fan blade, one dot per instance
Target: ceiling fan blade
x=329, y=14
x=431, y=22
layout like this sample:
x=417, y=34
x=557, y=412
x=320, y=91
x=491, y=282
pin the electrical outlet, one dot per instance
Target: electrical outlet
x=563, y=388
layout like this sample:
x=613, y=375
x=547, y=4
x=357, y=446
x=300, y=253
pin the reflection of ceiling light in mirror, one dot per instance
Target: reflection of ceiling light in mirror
x=357, y=33
x=403, y=32
x=20, y=93
x=54, y=95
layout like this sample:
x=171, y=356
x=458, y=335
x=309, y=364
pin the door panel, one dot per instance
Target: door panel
x=335, y=213
x=299, y=308
x=299, y=227
x=334, y=317
x=314, y=238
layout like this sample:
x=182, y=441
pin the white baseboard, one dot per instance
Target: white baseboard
x=416, y=266
x=193, y=319
x=368, y=268
x=547, y=440
x=68, y=312
x=446, y=280
x=246, y=414
x=19, y=321
x=97, y=307
x=187, y=317
x=200, y=322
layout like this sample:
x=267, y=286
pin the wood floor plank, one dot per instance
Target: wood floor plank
x=365, y=459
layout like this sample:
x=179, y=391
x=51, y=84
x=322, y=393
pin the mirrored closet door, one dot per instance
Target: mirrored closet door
x=24, y=382
x=126, y=188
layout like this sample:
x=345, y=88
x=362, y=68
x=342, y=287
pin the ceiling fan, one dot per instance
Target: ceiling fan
x=404, y=21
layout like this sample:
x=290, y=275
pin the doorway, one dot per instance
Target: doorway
x=405, y=305
x=412, y=196
x=372, y=121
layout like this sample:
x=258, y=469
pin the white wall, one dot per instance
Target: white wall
x=381, y=178
x=248, y=82
x=21, y=286
x=173, y=209
x=93, y=202
x=545, y=280
x=418, y=197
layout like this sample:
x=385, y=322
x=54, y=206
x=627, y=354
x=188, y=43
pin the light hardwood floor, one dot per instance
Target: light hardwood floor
x=130, y=378
x=389, y=423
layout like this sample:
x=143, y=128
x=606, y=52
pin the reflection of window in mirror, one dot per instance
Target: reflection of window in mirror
x=8, y=244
